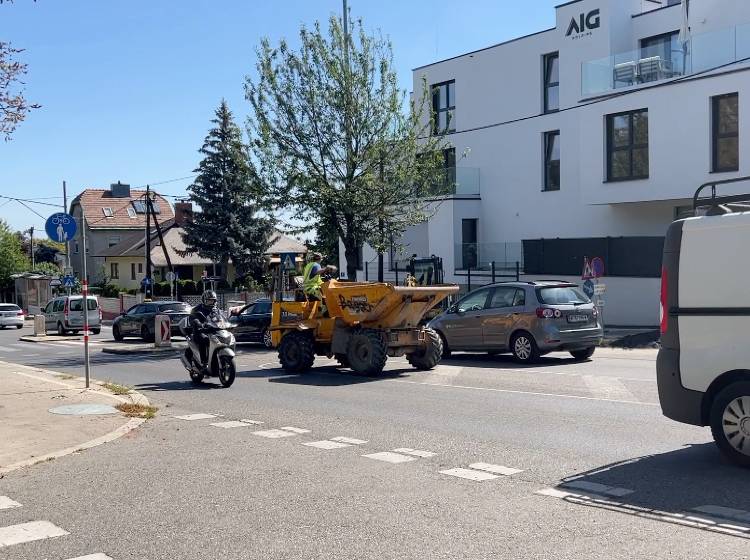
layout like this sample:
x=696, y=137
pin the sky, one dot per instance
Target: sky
x=128, y=87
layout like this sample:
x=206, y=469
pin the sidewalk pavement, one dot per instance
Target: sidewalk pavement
x=129, y=348
x=30, y=433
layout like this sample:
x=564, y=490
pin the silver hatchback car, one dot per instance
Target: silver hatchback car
x=527, y=319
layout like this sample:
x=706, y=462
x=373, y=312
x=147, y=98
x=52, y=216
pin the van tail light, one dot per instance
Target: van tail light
x=67, y=309
x=547, y=313
x=663, y=314
x=100, y=314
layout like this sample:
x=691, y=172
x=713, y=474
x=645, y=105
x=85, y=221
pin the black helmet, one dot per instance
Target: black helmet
x=209, y=298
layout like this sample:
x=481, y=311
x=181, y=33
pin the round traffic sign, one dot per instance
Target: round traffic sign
x=597, y=266
x=60, y=227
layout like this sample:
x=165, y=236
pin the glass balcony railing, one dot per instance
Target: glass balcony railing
x=480, y=256
x=632, y=68
x=456, y=181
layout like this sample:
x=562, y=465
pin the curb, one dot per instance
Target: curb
x=140, y=350
x=134, y=397
x=45, y=338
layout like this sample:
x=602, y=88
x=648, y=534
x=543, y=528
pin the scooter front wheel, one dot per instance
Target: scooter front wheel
x=227, y=371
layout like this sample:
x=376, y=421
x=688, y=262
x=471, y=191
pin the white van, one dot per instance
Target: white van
x=703, y=368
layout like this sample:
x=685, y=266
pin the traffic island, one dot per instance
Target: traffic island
x=48, y=415
x=49, y=338
x=141, y=349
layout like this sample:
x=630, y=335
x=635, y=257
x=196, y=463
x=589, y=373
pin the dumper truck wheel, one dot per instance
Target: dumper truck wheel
x=367, y=352
x=343, y=360
x=429, y=356
x=296, y=352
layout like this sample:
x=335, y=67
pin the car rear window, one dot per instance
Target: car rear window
x=9, y=308
x=76, y=304
x=561, y=295
x=174, y=308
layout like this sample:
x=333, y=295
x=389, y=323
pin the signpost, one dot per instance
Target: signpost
x=288, y=261
x=55, y=283
x=68, y=282
x=163, y=331
x=61, y=227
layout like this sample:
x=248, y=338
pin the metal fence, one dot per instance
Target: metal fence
x=498, y=272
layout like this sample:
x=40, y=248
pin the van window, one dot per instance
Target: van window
x=77, y=304
x=59, y=305
x=562, y=295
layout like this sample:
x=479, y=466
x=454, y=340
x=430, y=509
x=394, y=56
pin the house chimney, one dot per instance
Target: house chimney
x=118, y=190
x=183, y=213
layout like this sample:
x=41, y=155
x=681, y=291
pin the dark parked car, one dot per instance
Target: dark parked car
x=252, y=322
x=139, y=320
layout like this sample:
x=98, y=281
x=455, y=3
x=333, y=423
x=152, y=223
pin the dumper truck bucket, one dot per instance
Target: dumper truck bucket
x=382, y=306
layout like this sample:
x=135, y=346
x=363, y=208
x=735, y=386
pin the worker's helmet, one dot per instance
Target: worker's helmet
x=209, y=298
x=317, y=257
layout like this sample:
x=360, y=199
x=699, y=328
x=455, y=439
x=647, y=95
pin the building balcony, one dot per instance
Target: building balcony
x=481, y=256
x=456, y=182
x=631, y=69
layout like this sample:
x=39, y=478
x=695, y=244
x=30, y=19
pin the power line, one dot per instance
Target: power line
x=30, y=201
x=29, y=208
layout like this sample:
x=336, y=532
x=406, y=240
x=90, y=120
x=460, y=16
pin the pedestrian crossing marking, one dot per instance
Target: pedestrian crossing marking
x=350, y=441
x=97, y=556
x=273, y=434
x=200, y=416
x=7, y=503
x=390, y=457
x=415, y=452
x=468, y=474
x=231, y=424
x=495, y=469
x=246, y=421
x=28, y=532
x=295, y=430
x=326, y=444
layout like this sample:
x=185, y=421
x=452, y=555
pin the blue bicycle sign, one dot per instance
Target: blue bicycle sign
x=61, y=227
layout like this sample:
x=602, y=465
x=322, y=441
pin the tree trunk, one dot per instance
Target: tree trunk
x=351, y=253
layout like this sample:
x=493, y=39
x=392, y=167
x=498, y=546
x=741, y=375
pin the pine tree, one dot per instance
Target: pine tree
x=227, y=191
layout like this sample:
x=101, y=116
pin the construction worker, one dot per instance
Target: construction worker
x=313, y=277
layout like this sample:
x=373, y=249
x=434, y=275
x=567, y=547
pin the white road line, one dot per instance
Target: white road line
x=531, y=393
x=349, y=440
x=478, y=476
x=30, y=355
x=8, y=349
x=390, y=457
x=326, y=444
x=7, y=503
x=28, y=532
x=256, y=422
x=415, y=452
x=98, y=556
x=728, y=513
x=273, y=434
x=596, y=488
x=191, y=417
x=231, y=424
x=295, y=430
x=607, y=388
x=495, y=469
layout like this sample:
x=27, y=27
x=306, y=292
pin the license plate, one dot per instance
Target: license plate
x=578, y=318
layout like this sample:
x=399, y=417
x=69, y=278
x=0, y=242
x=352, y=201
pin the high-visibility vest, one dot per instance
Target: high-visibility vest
x=311, y=284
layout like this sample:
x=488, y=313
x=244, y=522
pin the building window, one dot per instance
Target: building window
x=726, y=133
x=113, y=240
x=551, y=82
x=76, y=250
x=627, y=146
x=140, y=268
x=661, y=57
x=443, y=107
x=131, y=212
x=107, y=212
x=469, y=245
x=552, y=161
x=114, y=269
x=132, y=271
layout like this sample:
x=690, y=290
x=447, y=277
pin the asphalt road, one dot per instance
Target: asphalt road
x=590, y=468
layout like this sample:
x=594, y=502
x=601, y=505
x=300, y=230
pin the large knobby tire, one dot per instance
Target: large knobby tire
x=584, y=354
x=524, y=348
x=343, y=360
x=227, y=371
x=117, y=333
x=730, y=422
x=367, y=352
x=296, y=352
x=429, y=356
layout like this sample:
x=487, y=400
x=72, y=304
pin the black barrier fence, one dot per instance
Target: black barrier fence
x=636, y=257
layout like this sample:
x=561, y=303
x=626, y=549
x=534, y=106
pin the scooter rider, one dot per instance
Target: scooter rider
x=199, y=316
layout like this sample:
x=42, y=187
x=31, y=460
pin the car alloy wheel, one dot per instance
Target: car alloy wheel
x=522, y=347
x=266, y=338
x=736, y=424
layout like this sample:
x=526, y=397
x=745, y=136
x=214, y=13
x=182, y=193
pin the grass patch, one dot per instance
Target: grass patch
x=116, y=389
x=137, y=410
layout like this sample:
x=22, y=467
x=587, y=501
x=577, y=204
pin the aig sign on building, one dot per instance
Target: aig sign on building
x=584, y=24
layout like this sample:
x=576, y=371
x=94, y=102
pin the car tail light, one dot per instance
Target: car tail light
x=663, y=316
x=596, y=312
x=20, y=313
x=547, y=313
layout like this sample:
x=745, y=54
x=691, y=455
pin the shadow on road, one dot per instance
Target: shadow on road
x=331, y=376
x=179, y=386
x=670, y=485
x=506, y=361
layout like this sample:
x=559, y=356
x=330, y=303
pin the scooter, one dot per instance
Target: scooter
x=221, y=351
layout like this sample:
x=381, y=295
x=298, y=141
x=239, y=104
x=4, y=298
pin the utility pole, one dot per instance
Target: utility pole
x=33, y=260
x=65, y=209
x=147, y=292
x=85, y=303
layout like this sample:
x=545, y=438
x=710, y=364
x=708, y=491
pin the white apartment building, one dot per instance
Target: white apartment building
x=587, y=140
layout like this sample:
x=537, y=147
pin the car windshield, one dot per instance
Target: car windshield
x=174, y=308
x=9, y=308
x=77, y=304
x=562, y=295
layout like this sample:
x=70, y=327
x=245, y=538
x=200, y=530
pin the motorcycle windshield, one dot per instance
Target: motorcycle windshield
x=219, y=321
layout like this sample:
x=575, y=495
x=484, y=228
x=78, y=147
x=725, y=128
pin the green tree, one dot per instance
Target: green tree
x=47, y=268
x=333, y=140
x=227, y=190
x=326, y=240
x=12, y=258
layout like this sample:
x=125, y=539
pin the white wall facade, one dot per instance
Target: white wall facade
x=500, y=122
